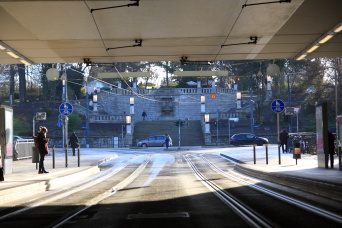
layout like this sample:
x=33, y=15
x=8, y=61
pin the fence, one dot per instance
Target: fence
x=23, y=149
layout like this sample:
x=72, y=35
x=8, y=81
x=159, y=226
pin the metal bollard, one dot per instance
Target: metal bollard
x=254, y=154
x=78, y=156
x=53, y=156
x=339, y=156
x=279, y=153
x=66, y=156
x=266, y=145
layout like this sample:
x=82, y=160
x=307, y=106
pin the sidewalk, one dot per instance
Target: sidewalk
x=25, y=180
x=305, y=175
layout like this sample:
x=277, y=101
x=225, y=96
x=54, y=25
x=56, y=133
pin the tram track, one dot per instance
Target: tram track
x=250, y=216
x=82, y=185
x=310, y=208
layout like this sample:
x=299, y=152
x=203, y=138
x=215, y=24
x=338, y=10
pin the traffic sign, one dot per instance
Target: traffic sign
x=65, y=108
x=289, y=111
x=40, y=116
x=278, y=106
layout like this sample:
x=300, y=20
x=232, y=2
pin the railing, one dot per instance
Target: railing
x=107, y=118
x=120, y=91
x=206, y=90
x=23, y=148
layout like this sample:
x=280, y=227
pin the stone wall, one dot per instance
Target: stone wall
x=169, y=104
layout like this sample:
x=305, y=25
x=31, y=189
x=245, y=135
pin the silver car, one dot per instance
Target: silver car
x=155, y=140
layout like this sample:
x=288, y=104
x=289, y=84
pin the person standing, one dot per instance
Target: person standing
x=43, y=148
x=73, y=142
x=144, y=115
x=167, y=140
x=331, y=143
x=284, y=136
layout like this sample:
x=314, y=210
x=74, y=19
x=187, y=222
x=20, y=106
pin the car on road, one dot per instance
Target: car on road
x=155, y=140
x=247, y=139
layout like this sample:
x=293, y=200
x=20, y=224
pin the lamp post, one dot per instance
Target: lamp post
x=206, y=120
x=87, y=117
x=131, y=107
x=231, y=119
x=95, y=102
x=252, y=104
x=65, y=99
x=202, y=104
x=128, y=124
x=238, y=99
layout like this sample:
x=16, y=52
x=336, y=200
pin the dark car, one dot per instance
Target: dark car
x=156, y=140
x=247, y=139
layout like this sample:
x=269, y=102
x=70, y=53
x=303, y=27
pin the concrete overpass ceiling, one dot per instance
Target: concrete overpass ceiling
x=66, y=31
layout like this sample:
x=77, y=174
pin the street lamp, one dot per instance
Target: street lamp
x=202, y=103
x=128, y=124
x=206, y=120
x=87, y=112
x=252, y=103
x=131, y=103
x=231, y=119
x=238, y=99
x=95, y=102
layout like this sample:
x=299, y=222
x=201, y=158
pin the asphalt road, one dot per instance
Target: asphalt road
x=157, y=188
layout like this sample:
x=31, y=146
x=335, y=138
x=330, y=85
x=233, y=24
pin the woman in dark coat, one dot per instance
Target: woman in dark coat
x=73, y=142
x=42, y=144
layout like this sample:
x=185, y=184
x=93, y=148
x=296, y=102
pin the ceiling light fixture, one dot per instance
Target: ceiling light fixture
x=10, y=51
x=320, y=41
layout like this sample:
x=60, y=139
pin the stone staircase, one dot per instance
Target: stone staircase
x=190, y=136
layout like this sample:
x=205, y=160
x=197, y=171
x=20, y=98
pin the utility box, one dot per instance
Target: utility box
x=296, y=150
x=6, y=138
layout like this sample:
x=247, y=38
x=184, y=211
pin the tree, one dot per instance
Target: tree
x=74, y=122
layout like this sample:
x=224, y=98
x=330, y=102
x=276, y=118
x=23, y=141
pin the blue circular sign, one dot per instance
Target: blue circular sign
x=278, y=106
x=65, y=109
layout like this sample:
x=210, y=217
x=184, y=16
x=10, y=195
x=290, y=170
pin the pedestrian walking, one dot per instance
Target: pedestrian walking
x=43, y=148
x=167, y=140
x=73, y=142
x=331, y=143
x=284, y=136
x=144, y=115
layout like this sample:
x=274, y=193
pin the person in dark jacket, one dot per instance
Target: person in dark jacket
x=73, y=142
x=283, y=137
x=43, y=148
x=144, y=115
x=331, y=143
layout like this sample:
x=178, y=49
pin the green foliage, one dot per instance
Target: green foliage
x=74, y=122
x=20, y=127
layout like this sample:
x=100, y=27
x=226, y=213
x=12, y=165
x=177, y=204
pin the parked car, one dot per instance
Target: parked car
x=155, y=140
x=247, y=139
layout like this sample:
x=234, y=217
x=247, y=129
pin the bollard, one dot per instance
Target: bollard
x=279, y=153
x=266, y=145
x=254, y=154
x=66, y=156
x=53, y=156
x=339, y=150
x=78, y=156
